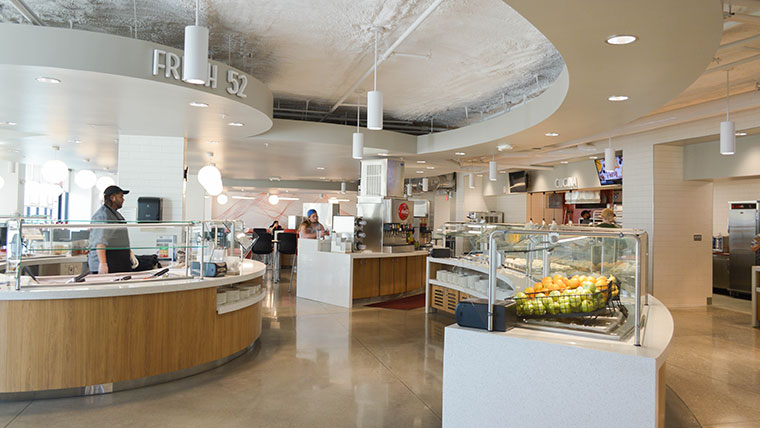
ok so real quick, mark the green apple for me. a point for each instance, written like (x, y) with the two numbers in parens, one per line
(529, 308)
(540, 309)
(521, 295)
(564, 307)
(587, 306)
(555, 295)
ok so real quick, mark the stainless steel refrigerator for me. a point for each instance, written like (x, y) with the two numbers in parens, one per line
(743, 226)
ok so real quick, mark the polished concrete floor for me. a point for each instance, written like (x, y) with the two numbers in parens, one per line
(322, 366)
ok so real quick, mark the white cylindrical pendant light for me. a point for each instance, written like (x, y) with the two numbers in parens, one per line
(425, 184)
(609, 159)
(727, 137)
(343, 187)
(374, 110)
(195, 61)
(409, 189)
(492, 170)
(2, 182)
(471, 182)
(358, 146)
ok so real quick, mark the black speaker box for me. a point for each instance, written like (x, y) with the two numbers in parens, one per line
(473, 313)
(148, 209)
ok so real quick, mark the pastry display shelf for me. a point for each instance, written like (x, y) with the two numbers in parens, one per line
(240, 304)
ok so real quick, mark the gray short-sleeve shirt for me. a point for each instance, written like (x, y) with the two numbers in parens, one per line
(111, 238)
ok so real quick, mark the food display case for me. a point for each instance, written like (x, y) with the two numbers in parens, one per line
(577, 280)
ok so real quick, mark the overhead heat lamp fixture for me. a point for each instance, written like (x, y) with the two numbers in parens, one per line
(358, 144)
(492, 170)
(195, 62)
(375, 99)
(727, 130)
(343, 188)
(425, 184)
(609, 157)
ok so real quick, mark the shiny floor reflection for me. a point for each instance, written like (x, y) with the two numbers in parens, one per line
(319, 365)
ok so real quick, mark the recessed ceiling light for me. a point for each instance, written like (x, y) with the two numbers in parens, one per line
(618, 97)
(321, 168)
(503, 147)
(213, 142)
(480, 175)
(621, 39)
(459, 153)
(593, 157)
(235, 124)
(420, 172)
(198, 104)
(323, 178)
(741, 134)
(383, 154)
(421, 161)
(48, 80)
(275, 178)
(8, 123)
(565, 162)
(552, 134)
(250, 198)
(75, 141)
(430, 167)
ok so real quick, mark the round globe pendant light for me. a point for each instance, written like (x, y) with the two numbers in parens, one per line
(85, 179)
(727, 131)
(375, 100)
(103, 182)
(54, 171)
(222, 199)
(209, 175)
(195, 61)
(274, 199)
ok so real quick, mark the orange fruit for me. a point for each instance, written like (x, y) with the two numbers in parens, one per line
(574, 283)
(529, 291)
(547, 280)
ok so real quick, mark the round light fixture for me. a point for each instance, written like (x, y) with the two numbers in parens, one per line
(274, 199)
(429, 167)
(321, 168)
(459, 153)
(564, 162)
(103, 182)
(222, 199)
(621, 39)
(198, 104)
(618, 98)
(420, 172)
(208, 175)
(85, 179)
(215, 188)
(54, 171)
(53, 190)
(552, 134)
(43, 79)
(421, 161)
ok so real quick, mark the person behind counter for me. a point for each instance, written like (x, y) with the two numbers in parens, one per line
(585, 217)
(608, 219)
(274, 226)
(111, 246)
(311, 227)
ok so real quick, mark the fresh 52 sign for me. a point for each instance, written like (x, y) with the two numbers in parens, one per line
(170, 64)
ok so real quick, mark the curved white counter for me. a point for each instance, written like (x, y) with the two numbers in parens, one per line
(249, 270)
(535, 378)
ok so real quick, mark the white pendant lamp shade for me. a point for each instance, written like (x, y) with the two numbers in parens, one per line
(103, 182)
(358, 147)
(409, 189)
(195, 62)
(425, 184)
(727, 137)
(211, 179)
(85, 179)
(54, 171)
(374, 110)
(222, 199)
(53, 190)
(492, 170)
(274, 199)
(471, 181)
(2, 182)
(609, 159)
(214, 188)
(343, 188)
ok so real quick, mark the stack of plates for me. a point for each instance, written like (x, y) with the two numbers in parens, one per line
(221, 297)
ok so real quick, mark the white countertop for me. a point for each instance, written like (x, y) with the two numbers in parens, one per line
(249, 269)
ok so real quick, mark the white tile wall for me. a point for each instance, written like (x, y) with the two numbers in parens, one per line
(151, 167)
(514, 206)
(725, 191)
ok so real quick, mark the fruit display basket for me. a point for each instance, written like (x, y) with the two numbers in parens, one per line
(593, 297)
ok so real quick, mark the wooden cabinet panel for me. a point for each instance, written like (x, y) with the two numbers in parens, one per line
(387, 276)
(415, 273)
(536, 207)
(366, 278)
(399, 274)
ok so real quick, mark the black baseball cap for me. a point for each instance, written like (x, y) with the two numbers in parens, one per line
(112, 190)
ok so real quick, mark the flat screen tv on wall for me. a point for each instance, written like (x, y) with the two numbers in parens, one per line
(518, 182)
(613, 177)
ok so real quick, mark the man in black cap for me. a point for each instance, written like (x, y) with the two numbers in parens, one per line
(109, 248)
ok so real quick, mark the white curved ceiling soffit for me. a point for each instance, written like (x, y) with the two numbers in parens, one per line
(468, 57)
